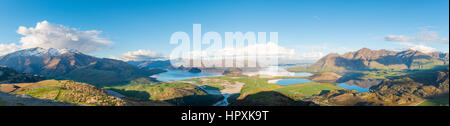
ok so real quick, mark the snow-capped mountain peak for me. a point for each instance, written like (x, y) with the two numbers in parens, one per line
(38, 51)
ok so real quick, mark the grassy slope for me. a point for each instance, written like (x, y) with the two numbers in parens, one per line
(2, 104)
(69, 91)
(178, 93)
(443, 101)
(382, 74)
(308, 89)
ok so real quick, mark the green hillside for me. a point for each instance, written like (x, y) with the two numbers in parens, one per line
(69, 91)
(178, 93)
(443, 101)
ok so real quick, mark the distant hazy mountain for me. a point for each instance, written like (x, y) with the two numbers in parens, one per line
(8, 75)
(73, 65)
(152, 64)
(365, 59)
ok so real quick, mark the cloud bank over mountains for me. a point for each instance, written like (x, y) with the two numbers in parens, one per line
(138, 55)
(425, 36)
(8, 48)
(268, 50)
(48, 35)
(421, 48)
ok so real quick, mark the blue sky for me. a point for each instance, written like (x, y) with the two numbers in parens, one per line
(303, 25)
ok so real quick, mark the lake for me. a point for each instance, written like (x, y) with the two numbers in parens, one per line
(177, 75)
(360, 85)
(354, 87)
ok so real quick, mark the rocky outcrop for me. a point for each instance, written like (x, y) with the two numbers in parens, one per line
(339, 97)
(233, 72)
(443, 81)
(195, 70)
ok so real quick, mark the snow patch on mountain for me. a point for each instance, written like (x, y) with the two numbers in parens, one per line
(38, 51)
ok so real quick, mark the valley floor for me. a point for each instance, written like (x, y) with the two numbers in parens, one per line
(237, 90)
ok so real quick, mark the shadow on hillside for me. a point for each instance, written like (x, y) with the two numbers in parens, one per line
(191, 100)
(349, 76)
(133, 93)
(389, 60)
(195, 100)
(350, 64)
(444, 95)
(207, 87)
(394, 60)
(432, 76)
(358, 64)
(268, 98)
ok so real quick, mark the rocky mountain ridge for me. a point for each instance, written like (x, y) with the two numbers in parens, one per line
(366, 59)
(73, 65)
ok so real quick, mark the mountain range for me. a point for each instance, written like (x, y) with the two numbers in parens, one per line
(366, 59)
(152, 64)
(74, 65)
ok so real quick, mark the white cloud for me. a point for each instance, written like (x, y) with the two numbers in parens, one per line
(138, 55)
(48, 35)
(399, 38)
(424, 36)
(421, 48)
(248, 53)
(313, 55)
(315, 52)
(8, 48)
(268, 50)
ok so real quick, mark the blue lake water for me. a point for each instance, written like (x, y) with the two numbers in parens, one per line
(177, 75)
(353, 87)
(292, 81)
